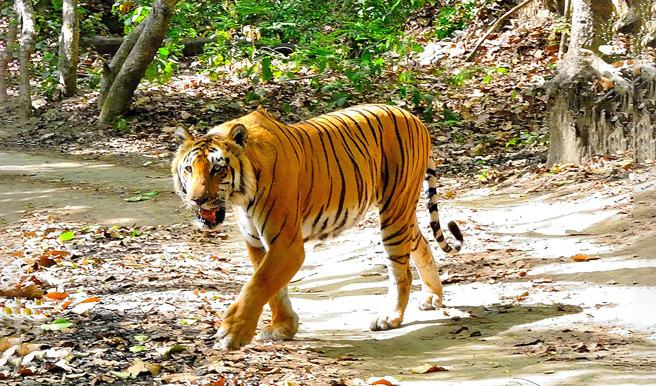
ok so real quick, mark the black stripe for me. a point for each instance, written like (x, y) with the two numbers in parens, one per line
(273, 240)
(398, 242)
(400, 259)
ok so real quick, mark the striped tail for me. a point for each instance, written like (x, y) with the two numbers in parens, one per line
(431, 198)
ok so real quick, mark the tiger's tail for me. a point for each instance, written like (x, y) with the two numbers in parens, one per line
(431, 198)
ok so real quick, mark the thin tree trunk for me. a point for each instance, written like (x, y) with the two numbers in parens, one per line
(588, 19)
(6, 57)
(25, 12)
(563, 34)
(117, 101)
(644, 114)
(68, 48)
(111, 70)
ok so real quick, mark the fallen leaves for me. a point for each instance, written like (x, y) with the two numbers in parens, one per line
(31, 291)
(57, 324)
(57, 295)
(142, 196)
(427, 368)
(582, 257)
(386, 380)
(66, 236)
(177, 348)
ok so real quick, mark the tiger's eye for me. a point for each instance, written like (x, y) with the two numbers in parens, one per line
(188, 169)
(216, 169)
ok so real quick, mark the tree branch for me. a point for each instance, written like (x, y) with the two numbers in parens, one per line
(495, 26)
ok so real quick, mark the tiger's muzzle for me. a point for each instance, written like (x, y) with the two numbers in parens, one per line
(209, 219)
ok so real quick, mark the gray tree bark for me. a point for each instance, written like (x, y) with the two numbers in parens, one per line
(68, 48)
(6, 57)
(644, 114)
(111, 70)
(25, 13)
(590, 102)
(116, 101)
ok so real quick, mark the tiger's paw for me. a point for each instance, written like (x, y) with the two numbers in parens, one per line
(431, 302)
(279, 331)
(386, 322)
(235, 332)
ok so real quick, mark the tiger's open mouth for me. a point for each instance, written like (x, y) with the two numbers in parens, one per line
(211, 218)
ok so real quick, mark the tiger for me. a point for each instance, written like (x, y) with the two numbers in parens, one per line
(289, 184)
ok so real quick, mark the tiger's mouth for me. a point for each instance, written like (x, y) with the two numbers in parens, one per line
(210, 218)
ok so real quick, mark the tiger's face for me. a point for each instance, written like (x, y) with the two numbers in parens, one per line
(210, 171)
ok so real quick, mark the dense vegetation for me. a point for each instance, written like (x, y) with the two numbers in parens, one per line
(346, 48)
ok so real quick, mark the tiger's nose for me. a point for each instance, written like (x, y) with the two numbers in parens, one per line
(200, 200)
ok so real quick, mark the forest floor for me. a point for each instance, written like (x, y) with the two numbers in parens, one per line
(554, 286)
(105, 280)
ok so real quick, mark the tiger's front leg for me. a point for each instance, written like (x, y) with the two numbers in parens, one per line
(272, 275)
(284, 321)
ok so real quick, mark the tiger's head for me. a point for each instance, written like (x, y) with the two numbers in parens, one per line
(212, 170)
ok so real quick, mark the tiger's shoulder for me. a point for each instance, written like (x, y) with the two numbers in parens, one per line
(257, 122)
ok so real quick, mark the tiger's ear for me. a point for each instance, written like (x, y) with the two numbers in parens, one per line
(181, 134)
(239, 134)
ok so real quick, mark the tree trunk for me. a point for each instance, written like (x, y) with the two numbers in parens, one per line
(6, 57)
(25, 12)
(590, 102)
(644, 114)
(68, 48)
(112, 69)
(117, 100)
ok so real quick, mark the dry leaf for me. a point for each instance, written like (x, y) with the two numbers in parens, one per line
(581, 257)
(58, 254)
(90, 300)
(57, 295)
(426, 368)
(7, 342)
(604, 84)
(46, 261)
(29, 292)
(386, 380)
(82, 308)
(154, 368)
(137, 368)
(27, 348)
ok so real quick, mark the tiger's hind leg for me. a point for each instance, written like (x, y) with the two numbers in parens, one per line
(431, 286)
(397, 237)
(284, 321)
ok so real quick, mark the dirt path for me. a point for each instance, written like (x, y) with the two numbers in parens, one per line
(520, 310)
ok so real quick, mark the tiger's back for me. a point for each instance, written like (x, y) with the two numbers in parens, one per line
(345, 163)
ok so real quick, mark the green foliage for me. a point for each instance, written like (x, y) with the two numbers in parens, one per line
(163, 66)
(490, 71)
(353, 50)
(122, 125)
(454, 18)
(66, 236)
(528, 139)
(460, 78)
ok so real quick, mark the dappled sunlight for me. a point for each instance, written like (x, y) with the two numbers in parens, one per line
(542, 215)
(600, 265)
(52, 166)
